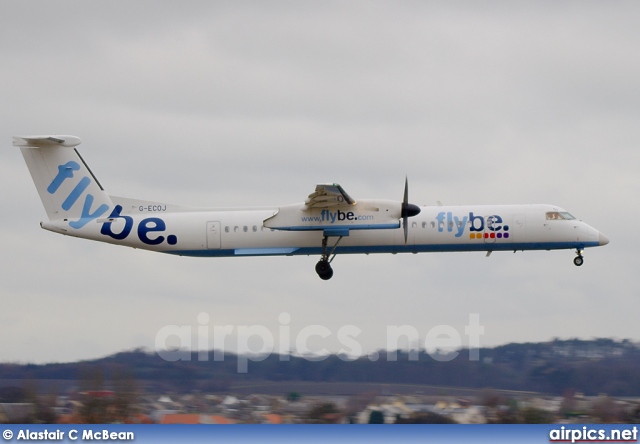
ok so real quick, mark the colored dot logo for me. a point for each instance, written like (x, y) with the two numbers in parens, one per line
(489, 235)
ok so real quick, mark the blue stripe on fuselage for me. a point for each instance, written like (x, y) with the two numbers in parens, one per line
(338, 226)
(427, 248)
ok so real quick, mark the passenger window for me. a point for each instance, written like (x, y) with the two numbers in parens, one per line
(245, 229)
(424, 225)
(226, 229)
(255, 228)
(235, 229)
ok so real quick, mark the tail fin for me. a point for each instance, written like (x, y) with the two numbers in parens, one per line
(62, 178)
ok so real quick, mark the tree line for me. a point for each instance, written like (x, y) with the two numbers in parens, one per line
(591, 367)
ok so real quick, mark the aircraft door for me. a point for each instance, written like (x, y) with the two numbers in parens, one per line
(213, 235)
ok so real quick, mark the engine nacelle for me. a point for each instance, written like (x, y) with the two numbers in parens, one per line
(363, 215)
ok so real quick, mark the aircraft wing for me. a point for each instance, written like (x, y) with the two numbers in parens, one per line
(328, 196)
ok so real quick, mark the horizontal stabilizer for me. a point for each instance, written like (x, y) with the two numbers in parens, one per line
(44, 141)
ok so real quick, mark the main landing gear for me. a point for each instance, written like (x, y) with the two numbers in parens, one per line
(323, 267)
(578, 260)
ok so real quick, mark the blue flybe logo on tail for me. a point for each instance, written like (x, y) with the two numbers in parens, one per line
(66, 172)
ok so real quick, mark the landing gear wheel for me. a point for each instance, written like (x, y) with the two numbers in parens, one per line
(324, 270)
(578, 260)
(323, 267)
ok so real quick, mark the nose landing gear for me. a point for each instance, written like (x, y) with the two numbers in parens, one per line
(578, 260)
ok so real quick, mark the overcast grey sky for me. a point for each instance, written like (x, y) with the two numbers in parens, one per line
(253, 103)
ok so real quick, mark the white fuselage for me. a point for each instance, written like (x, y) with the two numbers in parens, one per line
(241, 232)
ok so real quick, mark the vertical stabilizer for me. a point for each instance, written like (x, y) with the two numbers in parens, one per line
(68, 189)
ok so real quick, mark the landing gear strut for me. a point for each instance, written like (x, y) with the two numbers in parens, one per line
(578, 260)
(323, 267)
(321, 198)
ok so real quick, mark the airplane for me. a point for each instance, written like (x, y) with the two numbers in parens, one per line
(327, 223)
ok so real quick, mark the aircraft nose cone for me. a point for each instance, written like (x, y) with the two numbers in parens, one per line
(602, 239)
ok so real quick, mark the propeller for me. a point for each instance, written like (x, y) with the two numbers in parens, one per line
(408, 210)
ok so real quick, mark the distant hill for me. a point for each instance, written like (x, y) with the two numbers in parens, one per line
(592, 367)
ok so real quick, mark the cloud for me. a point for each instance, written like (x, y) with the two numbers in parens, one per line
(224, 104)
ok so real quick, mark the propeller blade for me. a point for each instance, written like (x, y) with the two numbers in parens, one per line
(406, 229)
(405, 202)
(408, 210)
(406, 191)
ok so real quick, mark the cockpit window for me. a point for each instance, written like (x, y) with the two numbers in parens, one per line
(557, 215)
